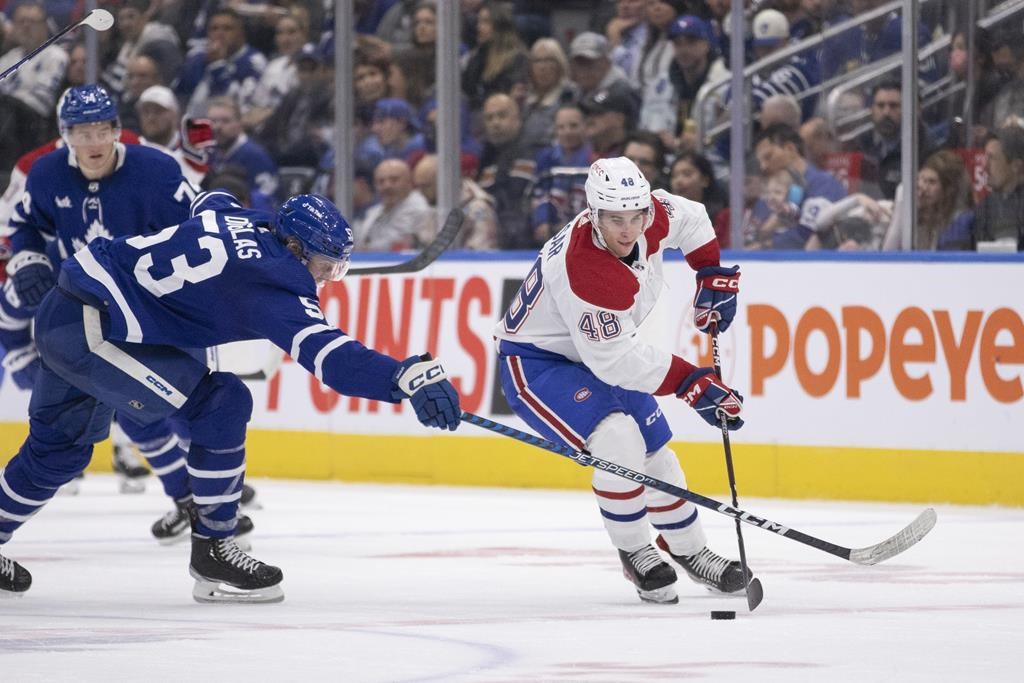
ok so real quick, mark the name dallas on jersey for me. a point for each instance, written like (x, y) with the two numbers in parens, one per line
(244, 248)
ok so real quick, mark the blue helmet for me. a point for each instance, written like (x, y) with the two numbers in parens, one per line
(321, 229)
(86, 104)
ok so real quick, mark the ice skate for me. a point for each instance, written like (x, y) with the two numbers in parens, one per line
(650, 573)
(129, 469)
(175, 526)
(224, 573)
(14, 579)
(716, 573)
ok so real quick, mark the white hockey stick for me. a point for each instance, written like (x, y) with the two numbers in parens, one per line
(872, 554)
(98, 19)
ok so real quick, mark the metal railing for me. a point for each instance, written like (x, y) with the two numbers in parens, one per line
(702, 107)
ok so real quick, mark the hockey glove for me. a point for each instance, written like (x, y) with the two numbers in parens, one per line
(197, 140)
(712, 400)
(715, 300)
(22, 364)
(32, 276)
(424, 382)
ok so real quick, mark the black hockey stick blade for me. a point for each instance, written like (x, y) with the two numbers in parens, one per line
(870, 555)
(755, 594)
(449, 231)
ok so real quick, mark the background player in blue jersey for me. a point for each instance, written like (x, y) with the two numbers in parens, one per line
(96, 187)
(115, 335)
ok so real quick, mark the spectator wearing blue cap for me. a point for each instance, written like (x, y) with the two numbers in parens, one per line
(395, 133)
(695, 66)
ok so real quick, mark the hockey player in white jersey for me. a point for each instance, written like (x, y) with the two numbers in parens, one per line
(574, 369)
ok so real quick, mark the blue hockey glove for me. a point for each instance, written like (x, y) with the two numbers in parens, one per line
(22, 364)
(706, 394)
(715, 300)
(32, 276)
(424, 382)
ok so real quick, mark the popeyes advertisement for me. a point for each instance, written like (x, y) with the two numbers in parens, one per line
(889, 354)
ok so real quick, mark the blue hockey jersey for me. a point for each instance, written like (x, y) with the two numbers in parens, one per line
(145, 192)
(219, 277)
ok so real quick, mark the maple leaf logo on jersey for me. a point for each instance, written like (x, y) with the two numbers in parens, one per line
(63, 202)
(95, 230)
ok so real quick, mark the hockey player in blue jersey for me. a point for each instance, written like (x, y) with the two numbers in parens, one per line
(115, 335)
(96, 187)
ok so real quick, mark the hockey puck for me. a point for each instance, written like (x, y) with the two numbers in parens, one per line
(723, 615)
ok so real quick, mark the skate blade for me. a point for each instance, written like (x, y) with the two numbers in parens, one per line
(207, 591)
(70, 489)
(12, 595)
(659, 596)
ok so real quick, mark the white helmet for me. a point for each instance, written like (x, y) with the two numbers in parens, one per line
(617, 185)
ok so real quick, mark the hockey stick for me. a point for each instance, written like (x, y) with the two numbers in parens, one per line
(449, 231)
(754, 590)
(99, 19)
(872, 554)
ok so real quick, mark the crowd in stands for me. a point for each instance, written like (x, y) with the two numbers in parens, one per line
(540, 103)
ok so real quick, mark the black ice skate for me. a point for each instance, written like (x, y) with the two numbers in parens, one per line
(176, 525)
(650, 573)
(716, 573)
(224, 573)
(14, 579)
(130, 470)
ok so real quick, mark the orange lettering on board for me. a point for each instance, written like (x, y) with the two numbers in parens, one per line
(436, 290)
(857, 319)
(362, 316)
(957, 354)
(992, 354)
(475, 289)
(761, 317)
(386, 338)
(816, 319)
(274, 386)
(901, 352)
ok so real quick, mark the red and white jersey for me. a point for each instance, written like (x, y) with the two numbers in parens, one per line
(582, 302)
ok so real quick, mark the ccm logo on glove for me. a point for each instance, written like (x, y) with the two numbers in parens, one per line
(417, 376)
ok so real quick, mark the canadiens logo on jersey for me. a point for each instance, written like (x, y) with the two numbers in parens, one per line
(92, 217)
(582, 395)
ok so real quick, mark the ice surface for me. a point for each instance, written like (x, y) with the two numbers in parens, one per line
(395, 583)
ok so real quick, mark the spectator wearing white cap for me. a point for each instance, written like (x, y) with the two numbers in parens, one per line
(794, 76)
(590, 66)
(160, 126)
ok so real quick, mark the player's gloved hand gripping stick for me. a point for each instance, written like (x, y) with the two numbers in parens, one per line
(424, 382)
